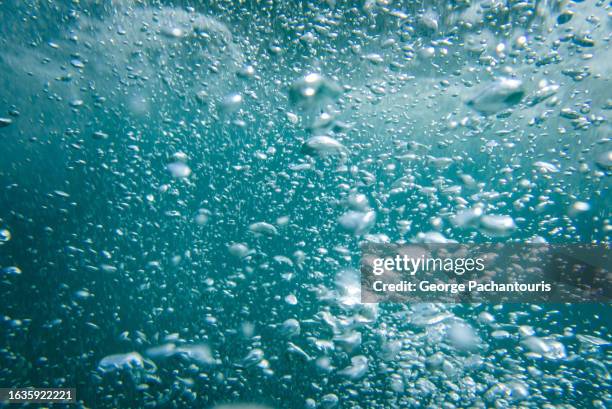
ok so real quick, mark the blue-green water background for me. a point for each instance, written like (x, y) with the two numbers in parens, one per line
(51, 338)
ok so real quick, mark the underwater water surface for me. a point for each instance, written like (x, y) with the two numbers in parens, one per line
(184, 188)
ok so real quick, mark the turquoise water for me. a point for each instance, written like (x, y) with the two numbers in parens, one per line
(184, 187)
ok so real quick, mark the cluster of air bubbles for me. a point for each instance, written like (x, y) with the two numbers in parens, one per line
(186, 192)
